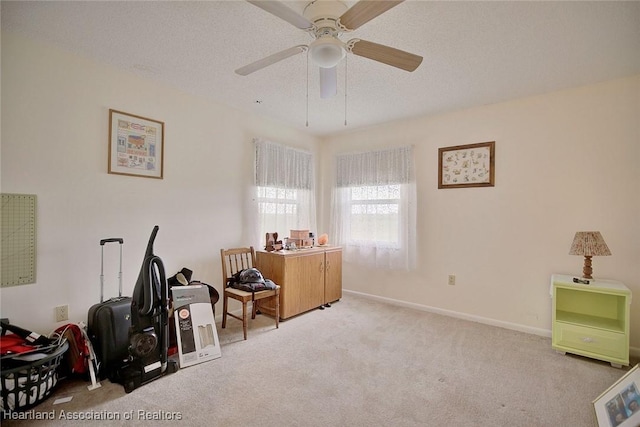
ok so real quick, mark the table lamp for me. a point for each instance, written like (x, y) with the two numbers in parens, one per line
(588, 244)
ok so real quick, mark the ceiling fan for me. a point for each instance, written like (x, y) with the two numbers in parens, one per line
(325, 21)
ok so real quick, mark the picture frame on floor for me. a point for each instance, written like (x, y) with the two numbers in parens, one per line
(471, 165)
(136, 145)
(619, 405)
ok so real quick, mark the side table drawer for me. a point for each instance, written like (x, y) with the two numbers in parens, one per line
(612, 344)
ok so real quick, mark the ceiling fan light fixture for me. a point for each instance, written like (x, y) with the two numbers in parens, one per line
(326, 52)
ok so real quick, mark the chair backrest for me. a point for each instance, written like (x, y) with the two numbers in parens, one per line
(234, 260)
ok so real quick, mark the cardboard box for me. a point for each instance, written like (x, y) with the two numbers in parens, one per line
(196, 331)
(299, 234)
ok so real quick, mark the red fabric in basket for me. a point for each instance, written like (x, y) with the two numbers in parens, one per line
(13, 344)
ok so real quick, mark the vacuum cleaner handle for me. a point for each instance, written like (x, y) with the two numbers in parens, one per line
(151, 240)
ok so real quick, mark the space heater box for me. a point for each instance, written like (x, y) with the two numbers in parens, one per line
(196, 333)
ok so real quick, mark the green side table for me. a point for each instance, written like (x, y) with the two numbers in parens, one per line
(592, 319)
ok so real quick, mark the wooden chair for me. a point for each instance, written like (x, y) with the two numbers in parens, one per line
(234, 260)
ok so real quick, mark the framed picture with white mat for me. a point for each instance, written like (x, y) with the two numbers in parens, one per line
(619, 405)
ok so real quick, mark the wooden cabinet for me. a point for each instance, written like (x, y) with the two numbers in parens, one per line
(333, 275)
(308, 278)
(592, 319)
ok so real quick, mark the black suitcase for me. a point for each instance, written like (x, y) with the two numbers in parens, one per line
(108, 324)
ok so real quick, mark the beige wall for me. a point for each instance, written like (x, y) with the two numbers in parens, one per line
(55, 119)
(565, 161)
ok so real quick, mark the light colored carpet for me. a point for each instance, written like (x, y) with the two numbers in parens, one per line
(360, 363)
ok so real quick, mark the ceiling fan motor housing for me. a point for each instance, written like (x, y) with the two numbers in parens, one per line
(324, 13)
(327, 50)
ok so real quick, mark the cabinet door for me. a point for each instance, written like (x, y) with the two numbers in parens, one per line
(305, 280)
(333, 276)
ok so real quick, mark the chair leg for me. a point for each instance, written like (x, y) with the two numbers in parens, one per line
(245, 321)
(224, 311)
(277, 309)
(254, 309)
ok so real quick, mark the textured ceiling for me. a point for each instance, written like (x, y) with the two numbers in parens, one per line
(474, 53)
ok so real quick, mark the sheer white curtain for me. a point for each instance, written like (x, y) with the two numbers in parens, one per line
(284, 190)
(374, 208)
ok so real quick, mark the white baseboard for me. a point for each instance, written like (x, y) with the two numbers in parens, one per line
(633, 351)
(457, 314)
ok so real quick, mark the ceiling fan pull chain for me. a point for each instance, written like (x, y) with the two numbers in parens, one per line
(307, 124)
(345, 89)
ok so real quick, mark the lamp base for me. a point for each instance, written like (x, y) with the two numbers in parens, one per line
(587, 270)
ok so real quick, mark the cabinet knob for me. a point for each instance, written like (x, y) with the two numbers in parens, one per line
(328, 265)
(587, 339)
(321, 266)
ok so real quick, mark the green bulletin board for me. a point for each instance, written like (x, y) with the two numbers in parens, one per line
(18, 239)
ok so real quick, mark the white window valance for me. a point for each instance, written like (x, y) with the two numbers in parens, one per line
(375, 168)
(281, 166)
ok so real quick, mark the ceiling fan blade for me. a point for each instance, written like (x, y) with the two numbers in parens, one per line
(385, 54)
(328, 82)
(271, 59)
(278, 9)
(364, 11)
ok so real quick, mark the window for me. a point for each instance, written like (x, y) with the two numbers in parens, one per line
(374, 208)
(277, 207)
(375, 214)
(284, 190)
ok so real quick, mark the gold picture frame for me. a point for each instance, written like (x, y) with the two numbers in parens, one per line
(619, 405)
(136, 145)
(471, 165)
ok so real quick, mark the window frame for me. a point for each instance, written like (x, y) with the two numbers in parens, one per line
(279, 201)
(386, 247)
(283, 190)
(395, 201)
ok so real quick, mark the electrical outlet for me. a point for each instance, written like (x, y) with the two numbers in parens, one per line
(452, 279)
(62, 313)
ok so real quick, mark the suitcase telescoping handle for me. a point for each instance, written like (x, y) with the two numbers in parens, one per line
(112, 239)
(102, 243)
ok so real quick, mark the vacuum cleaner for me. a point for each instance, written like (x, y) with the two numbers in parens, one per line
(149, 332)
